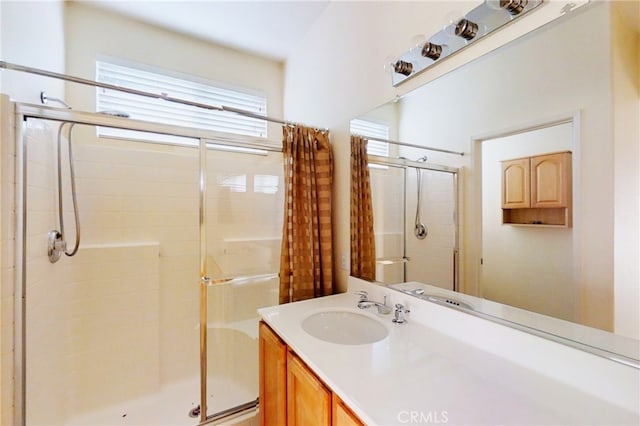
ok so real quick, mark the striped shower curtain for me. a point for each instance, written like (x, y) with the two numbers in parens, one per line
(306, 269)
(363, 252)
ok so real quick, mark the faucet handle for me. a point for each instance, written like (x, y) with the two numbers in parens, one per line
(400, 307)
(363, 295)
(398, 315)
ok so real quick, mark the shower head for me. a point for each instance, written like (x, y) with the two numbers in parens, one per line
(115, 113)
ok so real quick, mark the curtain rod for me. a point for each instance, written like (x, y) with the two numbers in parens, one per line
(403, 163)
(446, 151)
(163, 96)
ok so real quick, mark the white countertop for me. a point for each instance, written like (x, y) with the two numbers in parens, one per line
(420, 375)
(589, 336)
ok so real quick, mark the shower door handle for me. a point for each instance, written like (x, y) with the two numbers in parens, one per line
(207, 280)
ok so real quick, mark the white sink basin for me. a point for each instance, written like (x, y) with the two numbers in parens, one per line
(344, 327)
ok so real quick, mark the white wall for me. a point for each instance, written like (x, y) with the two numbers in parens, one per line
(526, 267)
(32, 34)
(92, 32)
(336, 73)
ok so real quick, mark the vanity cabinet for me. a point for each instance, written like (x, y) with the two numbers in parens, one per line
(308, 399)
(273, 377)
(537, 190)
(341, 414)
(290, 393)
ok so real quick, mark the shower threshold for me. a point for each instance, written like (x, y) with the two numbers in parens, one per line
(170, 406)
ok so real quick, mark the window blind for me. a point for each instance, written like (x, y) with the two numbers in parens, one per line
(158, 110)
(373, 130)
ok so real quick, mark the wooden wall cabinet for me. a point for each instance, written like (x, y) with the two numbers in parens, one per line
(516, 184)
(537, 190)
(291, 394)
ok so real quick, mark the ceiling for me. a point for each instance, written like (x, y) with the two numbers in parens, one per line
(266, 28)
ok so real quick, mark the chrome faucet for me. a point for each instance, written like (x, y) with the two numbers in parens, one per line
(365, 303)
(398, 315)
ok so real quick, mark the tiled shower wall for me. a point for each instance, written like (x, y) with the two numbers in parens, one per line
(94, 320)
(120, 319)
(7, 237)
(431, 259)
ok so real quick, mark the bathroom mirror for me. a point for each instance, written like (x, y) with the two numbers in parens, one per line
(559, 88)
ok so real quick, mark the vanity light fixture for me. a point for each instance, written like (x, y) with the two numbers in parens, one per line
(459, 33)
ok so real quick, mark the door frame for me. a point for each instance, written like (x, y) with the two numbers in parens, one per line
(475, 238)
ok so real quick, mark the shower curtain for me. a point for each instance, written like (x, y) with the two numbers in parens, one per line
(363, 252)
(306, 269)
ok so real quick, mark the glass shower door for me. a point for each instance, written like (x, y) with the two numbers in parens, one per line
(244, 216)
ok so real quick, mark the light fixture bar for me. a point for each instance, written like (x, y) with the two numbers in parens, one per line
(488, 17)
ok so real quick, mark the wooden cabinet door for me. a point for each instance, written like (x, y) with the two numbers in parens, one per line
(308, 399)
(273, 378)
(551, 175)
(516, 184)
(341, 415)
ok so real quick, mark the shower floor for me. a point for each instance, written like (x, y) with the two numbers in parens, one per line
(171, 406)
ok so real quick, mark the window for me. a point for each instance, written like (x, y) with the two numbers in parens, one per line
(158, 110)
(374, 130)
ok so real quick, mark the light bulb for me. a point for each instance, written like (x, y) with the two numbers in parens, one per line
(389, 61)
(494, 4)
(451, 20)
(417, 41)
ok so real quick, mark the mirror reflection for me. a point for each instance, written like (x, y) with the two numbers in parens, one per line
(554, 91)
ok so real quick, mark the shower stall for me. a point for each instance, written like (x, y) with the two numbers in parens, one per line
(153, 320)
(415, 210)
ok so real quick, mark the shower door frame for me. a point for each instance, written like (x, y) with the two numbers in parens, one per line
(405, 164)
(25, 111)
